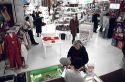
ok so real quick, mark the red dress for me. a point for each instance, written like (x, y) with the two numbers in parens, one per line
(13, 49)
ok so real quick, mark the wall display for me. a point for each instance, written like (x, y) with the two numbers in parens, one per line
(63, 27)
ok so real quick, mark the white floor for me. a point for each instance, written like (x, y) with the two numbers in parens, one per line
(105, 57)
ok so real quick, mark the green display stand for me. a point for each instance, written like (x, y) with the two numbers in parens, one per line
(45, 74)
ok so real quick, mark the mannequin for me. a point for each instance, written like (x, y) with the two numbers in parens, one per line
(13, 50)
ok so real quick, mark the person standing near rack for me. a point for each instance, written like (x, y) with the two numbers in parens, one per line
(27, 27)
(95, 21)
(74, 24)
(38, 24)
(106, 25)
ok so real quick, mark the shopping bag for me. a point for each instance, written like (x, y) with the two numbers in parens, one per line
(114, 42)
(120, 44)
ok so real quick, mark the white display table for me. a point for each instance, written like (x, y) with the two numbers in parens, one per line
(53, 39)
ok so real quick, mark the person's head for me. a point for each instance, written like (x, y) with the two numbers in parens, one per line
(77, 44)
(74, 16)
(27, 18)
(33, 12)
(65, 61)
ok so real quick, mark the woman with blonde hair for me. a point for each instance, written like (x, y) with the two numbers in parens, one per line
(78, 52)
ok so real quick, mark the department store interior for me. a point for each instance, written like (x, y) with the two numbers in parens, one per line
(36, 34)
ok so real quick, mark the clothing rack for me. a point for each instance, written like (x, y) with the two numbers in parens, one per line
(15, 29)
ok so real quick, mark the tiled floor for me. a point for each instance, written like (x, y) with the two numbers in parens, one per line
(105, 57)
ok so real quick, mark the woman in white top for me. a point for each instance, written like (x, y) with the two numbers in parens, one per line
(29, 30)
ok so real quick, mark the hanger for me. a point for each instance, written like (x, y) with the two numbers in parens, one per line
(10, 31)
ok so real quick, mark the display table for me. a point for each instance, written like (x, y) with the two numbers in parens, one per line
(50, 40)
(56, 72)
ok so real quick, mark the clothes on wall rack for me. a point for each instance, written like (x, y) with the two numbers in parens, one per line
(24, 37)
(2, 47)
(118, 39)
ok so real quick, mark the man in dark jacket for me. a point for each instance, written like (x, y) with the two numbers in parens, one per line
(95, 21)
(38, 24)
(78, 52)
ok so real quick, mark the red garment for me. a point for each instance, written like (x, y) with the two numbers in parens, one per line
(73, 26)
(122, 7)
(49, 3)
(13, 48)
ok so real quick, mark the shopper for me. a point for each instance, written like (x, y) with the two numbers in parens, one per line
(105, 25)
(95, 21)
(72, 74)
(78, 51)
(31, 21)
(38, 24)
(27, 27)
(74, 24)
(112, 25)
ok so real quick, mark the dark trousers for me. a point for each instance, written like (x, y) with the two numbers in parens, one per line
(95, 27)
(31, 36)
(123, 50)
(73, 37)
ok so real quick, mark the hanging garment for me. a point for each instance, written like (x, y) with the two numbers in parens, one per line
(1, 48)
(13, 49)
(24, 51)
(24, 38)
(27, 40)
(5, 14)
